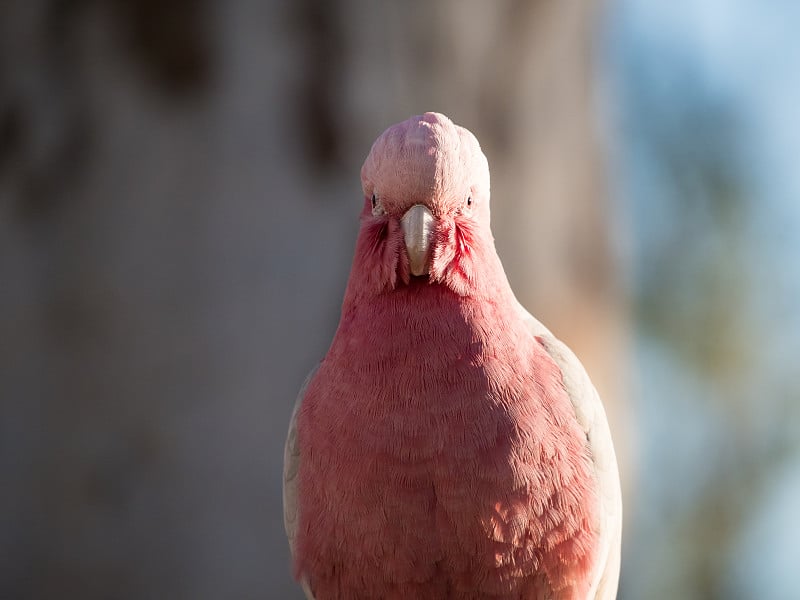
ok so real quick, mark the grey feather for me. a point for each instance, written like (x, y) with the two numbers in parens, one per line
(291, 465)
(591, 416)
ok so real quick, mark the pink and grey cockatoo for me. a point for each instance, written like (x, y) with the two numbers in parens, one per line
(448, 445)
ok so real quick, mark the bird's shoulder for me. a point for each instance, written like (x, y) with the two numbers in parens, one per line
(590, 415)
(291, 466)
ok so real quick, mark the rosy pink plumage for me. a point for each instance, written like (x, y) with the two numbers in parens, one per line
(448, 446)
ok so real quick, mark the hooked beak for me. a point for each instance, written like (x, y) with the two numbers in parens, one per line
(417, 226)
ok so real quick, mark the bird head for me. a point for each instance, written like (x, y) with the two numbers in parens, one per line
(425, 218)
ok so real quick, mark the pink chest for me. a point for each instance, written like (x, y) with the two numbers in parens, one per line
(442, 473)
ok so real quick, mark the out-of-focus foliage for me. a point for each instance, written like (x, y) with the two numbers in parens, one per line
(700, 107)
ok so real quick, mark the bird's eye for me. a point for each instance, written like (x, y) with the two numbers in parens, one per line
(377, 207)
(469, 200)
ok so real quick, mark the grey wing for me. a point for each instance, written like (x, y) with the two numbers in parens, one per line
(291, 466)
(592, 417)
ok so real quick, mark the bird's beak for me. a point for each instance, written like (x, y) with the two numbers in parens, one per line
(417, 225)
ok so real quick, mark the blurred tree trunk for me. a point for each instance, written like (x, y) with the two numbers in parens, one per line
(178, 198)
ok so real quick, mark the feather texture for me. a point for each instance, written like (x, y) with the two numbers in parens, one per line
(448, 446)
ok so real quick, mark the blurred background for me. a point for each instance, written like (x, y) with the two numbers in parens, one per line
(179, 190)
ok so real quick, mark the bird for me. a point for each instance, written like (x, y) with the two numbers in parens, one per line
(448, 445)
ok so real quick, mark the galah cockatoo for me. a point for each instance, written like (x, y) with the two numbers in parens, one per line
(448, 445)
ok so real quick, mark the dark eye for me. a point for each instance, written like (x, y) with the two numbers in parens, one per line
(374, 200)
(469, 201)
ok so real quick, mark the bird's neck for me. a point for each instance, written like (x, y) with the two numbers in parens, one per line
(427, 325)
